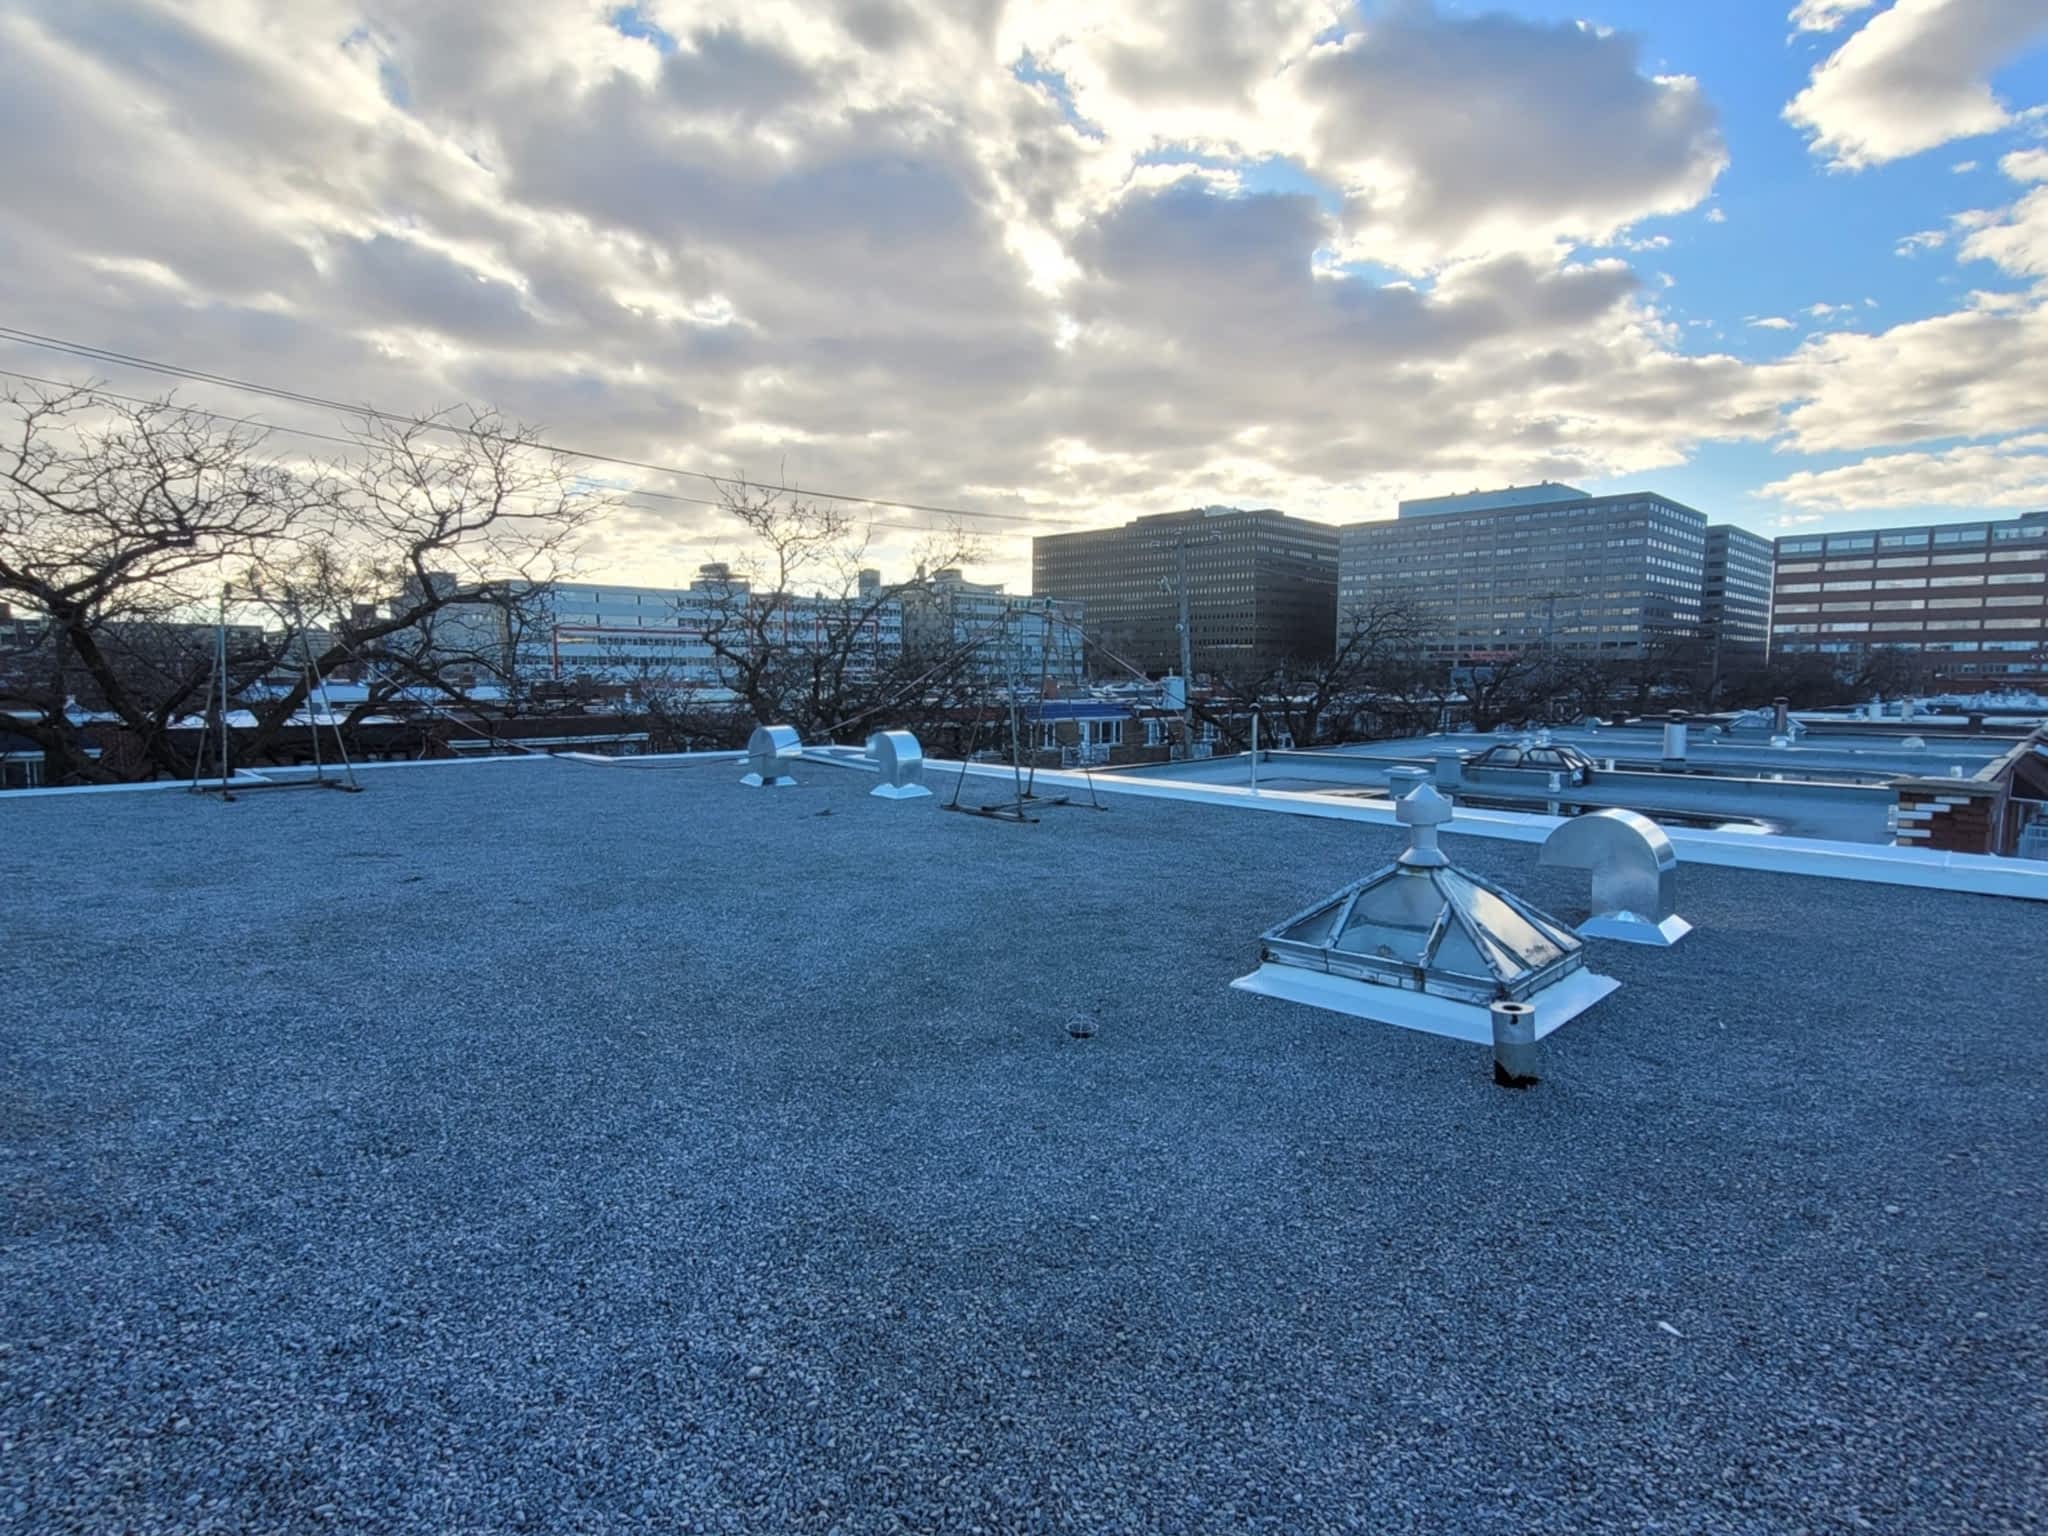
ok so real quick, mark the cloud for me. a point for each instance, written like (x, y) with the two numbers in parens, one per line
(1716, 216)
(2015, 237)
(1921, 240)
(1770, 323)
(848, 244)
(1445, 136)
(1975, 372)
(1913, 77)
(2012, 474)
(1826, 15)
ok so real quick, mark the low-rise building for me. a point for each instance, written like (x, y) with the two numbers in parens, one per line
(1006, 637)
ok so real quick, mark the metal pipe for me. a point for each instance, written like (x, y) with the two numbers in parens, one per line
(1514, 1043)
(1255, 749)
(1674, 742)
(1781, 717)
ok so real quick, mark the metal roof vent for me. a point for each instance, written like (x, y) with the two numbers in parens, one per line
(1635, 875)
(770, 751)
(1426, 945)
(901, 760)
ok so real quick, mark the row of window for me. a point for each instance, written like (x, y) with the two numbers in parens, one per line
(1915, 538)
(1862, 627)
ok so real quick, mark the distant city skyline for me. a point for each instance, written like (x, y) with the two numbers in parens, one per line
(1068, 264)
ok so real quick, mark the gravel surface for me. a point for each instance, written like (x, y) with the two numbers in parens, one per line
(544, 1147)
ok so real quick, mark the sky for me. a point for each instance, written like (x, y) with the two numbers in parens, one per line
(1059, 263)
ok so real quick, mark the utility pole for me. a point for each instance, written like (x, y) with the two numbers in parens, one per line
(1186, 626)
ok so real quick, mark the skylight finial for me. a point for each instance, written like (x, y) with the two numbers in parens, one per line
(1422, 810)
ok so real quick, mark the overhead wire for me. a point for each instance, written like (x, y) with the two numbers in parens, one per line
(93, 353)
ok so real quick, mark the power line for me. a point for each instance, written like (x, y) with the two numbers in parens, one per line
(271, 426)
(349, 442)
(178, 371)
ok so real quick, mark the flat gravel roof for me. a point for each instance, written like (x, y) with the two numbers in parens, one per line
(549, 1147)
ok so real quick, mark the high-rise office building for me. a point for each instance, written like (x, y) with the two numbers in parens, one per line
(1261, 587)
(1969, 600)
(1735, 602)
(1501, 571)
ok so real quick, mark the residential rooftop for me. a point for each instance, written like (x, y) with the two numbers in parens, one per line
(543, 1145)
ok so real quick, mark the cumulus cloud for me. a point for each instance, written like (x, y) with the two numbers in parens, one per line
(1446, 135)
(2008, 474)
(1826, 15)
(1769, 323)
(1975, 372)
(2016, 237)
(857, 246)
(1914, 76)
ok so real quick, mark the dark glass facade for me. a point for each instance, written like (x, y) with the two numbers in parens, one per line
(1735, 603)
(1262, 587)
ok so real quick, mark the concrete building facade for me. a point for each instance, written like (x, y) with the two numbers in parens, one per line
(1008, 636)
(619, 633)
(1969, 600)
(1261, 587)
(1609, 576)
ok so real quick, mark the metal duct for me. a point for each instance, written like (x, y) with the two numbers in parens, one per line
(770, 752)
(1635, 876)
(901, 760)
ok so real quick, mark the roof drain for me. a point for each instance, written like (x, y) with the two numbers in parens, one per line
(901, 760)
(770, 751)
(1424, 945)
(1635, 875)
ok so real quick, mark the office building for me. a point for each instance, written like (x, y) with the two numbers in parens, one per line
(1004, 636)
(1735, 601)
(1968, 600)
(1261, 587)
(1498, 572)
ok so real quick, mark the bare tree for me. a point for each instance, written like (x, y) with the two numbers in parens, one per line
(1333, 698)
(127, 529)
(801, 636)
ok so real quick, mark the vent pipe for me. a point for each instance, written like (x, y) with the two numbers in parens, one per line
(1781, 717)
(1674, 742)
(1514, 1043)
(1401, 782)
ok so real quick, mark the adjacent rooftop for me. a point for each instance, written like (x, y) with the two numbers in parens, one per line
(551, 1146)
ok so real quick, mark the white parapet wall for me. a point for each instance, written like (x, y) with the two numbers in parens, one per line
(1879, 863)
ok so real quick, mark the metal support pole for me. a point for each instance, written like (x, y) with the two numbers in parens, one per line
(1255, 749)
(220, 662)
